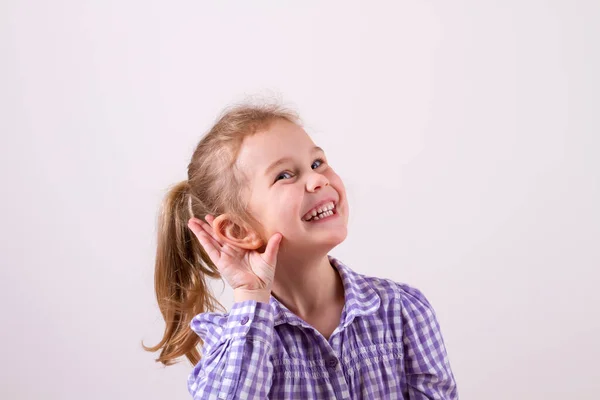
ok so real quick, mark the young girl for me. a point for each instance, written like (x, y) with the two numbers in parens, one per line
(262, 209)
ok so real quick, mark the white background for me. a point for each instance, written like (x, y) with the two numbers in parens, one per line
(467, 133)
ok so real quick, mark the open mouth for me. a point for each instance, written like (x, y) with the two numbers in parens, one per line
(321, 212)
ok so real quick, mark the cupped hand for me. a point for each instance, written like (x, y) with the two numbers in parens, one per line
(241, 268)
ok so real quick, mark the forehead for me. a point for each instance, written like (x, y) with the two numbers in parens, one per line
(281, 139)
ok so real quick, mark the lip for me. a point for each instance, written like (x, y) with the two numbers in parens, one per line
(321, 203)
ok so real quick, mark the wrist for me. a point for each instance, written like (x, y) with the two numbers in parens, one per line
(240, 295)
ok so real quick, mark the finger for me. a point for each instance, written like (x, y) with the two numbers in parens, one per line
(194, 225)
(199, 230)
(209, 248)
(207, 244)
(209, 219)
(270, 254)
(210, 231)
(197, 225)
(203, 221)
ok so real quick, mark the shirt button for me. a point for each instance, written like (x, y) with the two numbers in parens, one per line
(332, 363)
(244, 320)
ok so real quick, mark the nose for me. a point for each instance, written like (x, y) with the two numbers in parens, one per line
(316, 181)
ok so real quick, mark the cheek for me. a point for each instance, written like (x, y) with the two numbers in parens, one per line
(334, 177)
(338, 185)
(281, 207)
(288, 203)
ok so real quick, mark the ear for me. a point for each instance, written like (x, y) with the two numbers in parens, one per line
(230, 230)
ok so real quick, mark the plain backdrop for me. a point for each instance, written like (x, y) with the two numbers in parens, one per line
(467, 134)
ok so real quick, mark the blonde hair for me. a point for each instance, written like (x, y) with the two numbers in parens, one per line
(214, 186)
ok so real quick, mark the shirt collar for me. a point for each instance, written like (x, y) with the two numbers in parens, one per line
(360, 298)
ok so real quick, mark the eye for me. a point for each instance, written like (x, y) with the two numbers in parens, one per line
(282, 175)
(318, 160)
(286, 175)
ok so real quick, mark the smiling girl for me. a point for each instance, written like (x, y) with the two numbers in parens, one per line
(262, 208)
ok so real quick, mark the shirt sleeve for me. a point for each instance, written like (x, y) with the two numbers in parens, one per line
(427, 367)
(234, 360)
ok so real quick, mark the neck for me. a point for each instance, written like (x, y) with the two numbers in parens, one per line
(306, 285)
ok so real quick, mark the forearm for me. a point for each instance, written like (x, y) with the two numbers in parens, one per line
(236, 363)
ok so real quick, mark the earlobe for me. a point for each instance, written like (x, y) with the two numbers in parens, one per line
(228, 231)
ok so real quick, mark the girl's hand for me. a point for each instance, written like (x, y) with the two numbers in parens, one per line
(243, 269)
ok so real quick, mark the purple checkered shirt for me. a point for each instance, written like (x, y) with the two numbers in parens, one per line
(388, 345)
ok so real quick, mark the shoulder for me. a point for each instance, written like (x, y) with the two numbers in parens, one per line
(399, 294)
(391, 288)
(388, 290)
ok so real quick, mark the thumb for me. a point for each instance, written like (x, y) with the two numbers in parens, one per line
(270, 254)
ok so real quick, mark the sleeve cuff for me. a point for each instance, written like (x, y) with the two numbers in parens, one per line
(249, 318)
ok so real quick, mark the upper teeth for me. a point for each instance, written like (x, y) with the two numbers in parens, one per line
(325, 208)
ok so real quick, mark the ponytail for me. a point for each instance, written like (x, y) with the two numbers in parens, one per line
(181, 269)
(213, 187)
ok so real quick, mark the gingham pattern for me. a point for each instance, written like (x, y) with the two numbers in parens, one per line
(388, 346)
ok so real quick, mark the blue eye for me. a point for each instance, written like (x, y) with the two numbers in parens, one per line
(282, 175)
(286, 175)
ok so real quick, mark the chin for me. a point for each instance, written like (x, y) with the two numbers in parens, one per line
(337, 238)
(322, 243)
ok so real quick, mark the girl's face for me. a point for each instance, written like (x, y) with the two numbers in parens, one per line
(289, 178)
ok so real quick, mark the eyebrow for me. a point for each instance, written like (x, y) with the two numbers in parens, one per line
(287, 159)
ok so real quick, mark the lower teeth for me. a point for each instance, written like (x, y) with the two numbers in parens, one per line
(321, 216)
